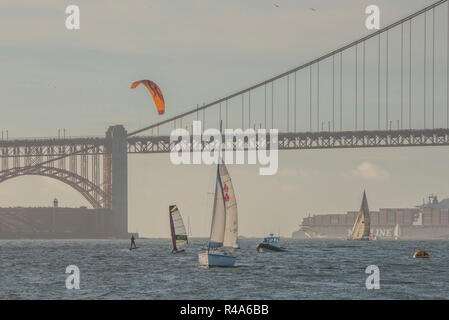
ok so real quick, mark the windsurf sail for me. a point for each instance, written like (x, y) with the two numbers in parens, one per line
(178, 231)
(361, 228)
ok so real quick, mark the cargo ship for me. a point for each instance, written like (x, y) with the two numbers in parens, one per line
(426, 221)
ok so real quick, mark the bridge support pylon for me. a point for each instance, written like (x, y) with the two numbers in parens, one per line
(115, 175)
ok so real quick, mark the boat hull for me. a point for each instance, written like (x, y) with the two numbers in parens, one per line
(210, 259)
(421, 254)
(264, 246)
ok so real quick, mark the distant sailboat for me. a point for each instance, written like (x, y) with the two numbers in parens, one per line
(361, 228)
(397, 232)
(224, 226)
(178, 231)
(189, 228)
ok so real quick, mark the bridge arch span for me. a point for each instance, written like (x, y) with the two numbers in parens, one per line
(91, 192)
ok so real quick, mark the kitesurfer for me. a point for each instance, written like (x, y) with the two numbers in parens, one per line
(133, 243)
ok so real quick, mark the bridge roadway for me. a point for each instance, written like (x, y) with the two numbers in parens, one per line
(53, 147)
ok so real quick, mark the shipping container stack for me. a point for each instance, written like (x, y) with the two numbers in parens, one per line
(383, 217)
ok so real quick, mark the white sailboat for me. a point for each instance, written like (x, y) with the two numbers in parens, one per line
(361, 228)
(397, 232)
(178, 231)
(224, 228)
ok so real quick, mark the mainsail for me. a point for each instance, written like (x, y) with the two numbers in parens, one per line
(231, 228)
(178, 231)
(218, 215)
(361, 228)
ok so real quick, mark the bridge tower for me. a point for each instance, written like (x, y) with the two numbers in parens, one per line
(115, 173)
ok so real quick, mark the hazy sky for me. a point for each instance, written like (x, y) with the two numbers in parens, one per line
(197, 51)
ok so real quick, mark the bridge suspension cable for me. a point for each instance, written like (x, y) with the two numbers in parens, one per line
(317, 61)
(345, 73)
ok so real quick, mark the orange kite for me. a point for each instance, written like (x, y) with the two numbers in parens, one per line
(155, 92)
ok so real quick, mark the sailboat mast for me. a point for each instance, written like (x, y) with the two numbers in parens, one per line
(216, 189)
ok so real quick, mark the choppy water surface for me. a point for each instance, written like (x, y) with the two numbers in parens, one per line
(311, 269)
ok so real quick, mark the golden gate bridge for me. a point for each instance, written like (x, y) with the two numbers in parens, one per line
(386, 89)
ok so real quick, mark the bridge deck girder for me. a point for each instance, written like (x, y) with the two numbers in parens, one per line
(35, 150)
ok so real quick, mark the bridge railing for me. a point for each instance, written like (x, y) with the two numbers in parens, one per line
(303, 140)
